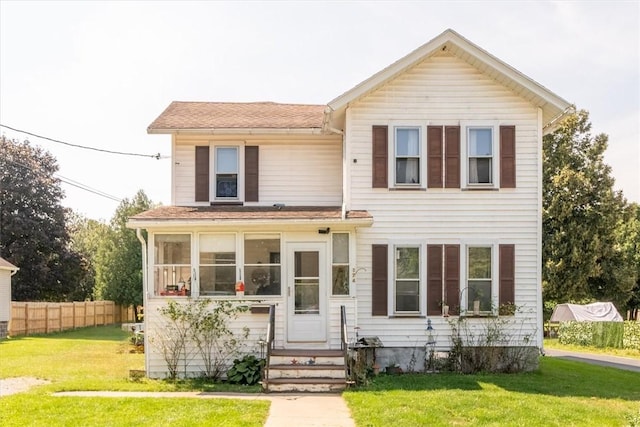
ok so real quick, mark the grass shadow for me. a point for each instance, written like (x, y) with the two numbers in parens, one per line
(555, 377)
(93, 333)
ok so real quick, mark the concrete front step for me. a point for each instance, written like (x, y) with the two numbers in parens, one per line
(298, 370)
(305, 371)
(306, 357)
(306, 385)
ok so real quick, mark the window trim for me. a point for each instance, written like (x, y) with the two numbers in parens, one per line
(393, 278)
(466, 127)
(240, 181)
(465, 310)
(422, 156)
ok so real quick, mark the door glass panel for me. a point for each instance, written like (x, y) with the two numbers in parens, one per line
(307, 283)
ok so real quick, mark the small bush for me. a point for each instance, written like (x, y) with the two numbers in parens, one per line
(601, 334)
(247, 370)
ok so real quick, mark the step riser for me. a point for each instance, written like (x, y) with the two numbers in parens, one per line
(288, 360)
(306, 388)
(301, 373)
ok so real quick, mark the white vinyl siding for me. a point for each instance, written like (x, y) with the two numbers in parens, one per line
(445, 91)
(296, 171)
(5, 295)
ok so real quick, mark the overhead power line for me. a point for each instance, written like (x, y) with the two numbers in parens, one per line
(84, 147)
(73, 183)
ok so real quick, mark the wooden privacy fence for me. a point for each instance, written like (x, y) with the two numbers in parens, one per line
(45, 317)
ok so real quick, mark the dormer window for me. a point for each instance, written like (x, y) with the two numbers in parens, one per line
(226, 172)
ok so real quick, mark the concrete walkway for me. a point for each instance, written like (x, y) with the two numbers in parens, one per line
(625, 363)
(287, 410)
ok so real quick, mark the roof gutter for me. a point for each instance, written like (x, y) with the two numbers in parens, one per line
(157, 223)
(237, 131)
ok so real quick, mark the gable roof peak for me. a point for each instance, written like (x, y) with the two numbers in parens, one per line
(451, 41)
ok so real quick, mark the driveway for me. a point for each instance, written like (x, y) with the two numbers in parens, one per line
(596, 359)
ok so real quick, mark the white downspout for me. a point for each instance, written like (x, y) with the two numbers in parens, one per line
(145, 293)
(327, 126)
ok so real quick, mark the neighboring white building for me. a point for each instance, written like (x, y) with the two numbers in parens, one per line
(6, 271)
(419, 188)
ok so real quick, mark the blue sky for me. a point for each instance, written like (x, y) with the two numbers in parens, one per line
(98, 73)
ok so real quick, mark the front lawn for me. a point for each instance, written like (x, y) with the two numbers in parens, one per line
(561, 393)
(100, 359)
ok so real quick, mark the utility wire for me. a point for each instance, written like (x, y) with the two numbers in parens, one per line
(155, 156)
(73, 183)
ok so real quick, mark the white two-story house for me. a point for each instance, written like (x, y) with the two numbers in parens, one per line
(406, 199)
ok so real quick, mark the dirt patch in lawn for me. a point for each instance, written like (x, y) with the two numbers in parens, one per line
(19, 384)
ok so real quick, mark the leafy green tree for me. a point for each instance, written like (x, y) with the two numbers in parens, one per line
(581, 251)
(119, 258)
(33, 235)
(629, 237)
(86, 238)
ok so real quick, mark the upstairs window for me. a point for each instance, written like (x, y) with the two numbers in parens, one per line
(480, 156)
(226, 165)
(407, 152)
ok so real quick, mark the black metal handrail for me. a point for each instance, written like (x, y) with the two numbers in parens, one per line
(344, 340)
(271, 326)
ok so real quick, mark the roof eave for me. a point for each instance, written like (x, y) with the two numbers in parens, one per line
(235, 131)
(190, 223)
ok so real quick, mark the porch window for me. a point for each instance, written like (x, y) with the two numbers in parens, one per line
(172, 268)
(262, 270)
(340, 264)
(407, 280)
(479, 278)
(217, 264)
(227, 172)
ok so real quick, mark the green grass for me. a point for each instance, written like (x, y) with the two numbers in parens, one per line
(100, 359)
(561, 393)
(554, 343)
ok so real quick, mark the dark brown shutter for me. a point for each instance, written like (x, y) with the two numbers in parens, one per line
(380, 156)
(507, 157)
(202, 174)
(434, 156)
(452, 156)
(379, 280)
(434, 280)
(452, 277)
(251, 167)
(507, 274)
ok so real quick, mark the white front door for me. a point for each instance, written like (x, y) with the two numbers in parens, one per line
(307, 292)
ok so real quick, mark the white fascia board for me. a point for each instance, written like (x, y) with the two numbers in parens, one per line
(239, 131)
(177, 223)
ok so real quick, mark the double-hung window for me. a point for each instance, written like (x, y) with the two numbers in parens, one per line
(407, 279)
(407, 155)
(172, 266)
(479, 278)
(226, 172)
(480, 154)
(217, 259)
